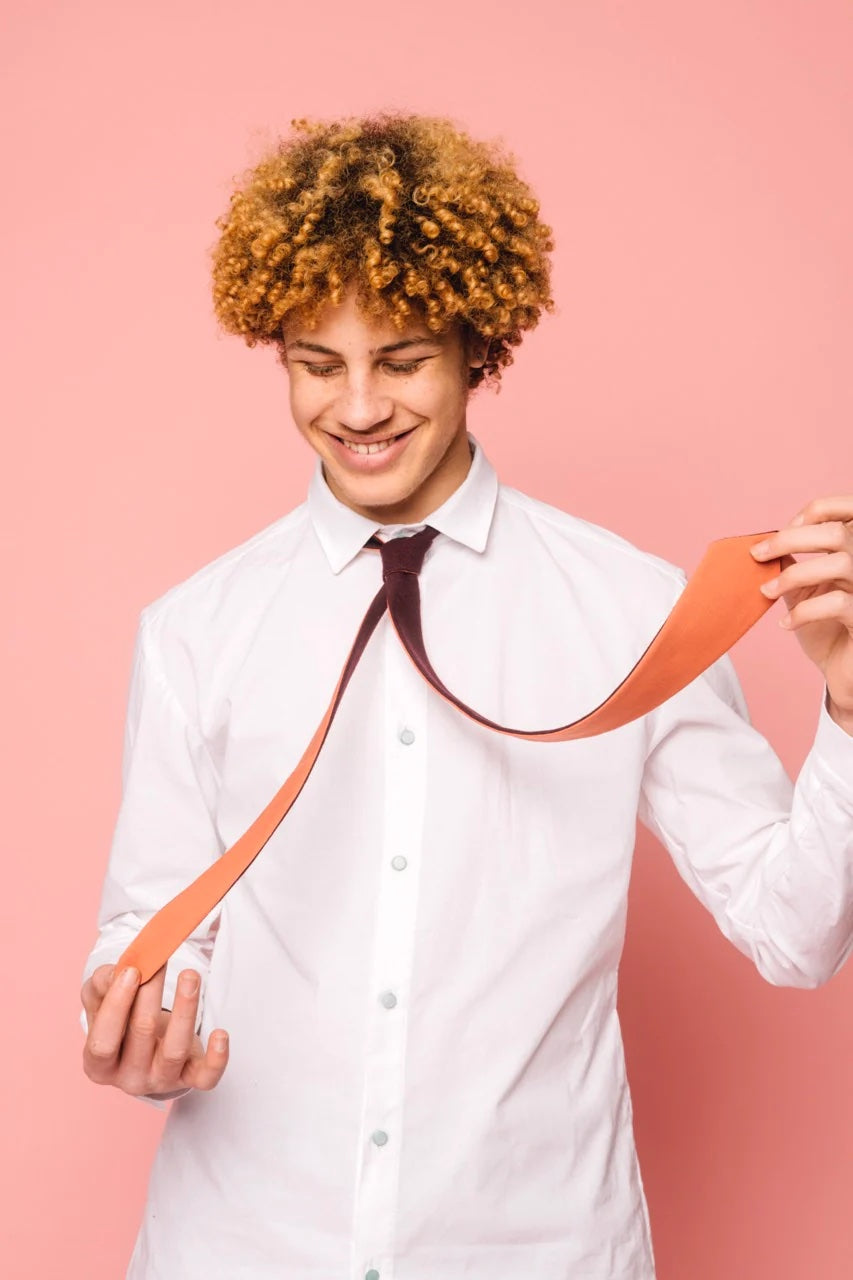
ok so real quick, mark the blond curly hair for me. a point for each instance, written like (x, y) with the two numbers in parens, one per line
(428, 223)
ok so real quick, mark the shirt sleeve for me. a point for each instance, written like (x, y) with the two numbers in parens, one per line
(771, 859)
(165, 834)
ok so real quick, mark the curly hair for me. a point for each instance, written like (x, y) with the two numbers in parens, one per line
(428, 224)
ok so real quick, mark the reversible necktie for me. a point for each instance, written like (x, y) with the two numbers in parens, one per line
(719, 604)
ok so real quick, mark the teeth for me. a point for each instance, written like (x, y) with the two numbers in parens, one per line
(367, 448)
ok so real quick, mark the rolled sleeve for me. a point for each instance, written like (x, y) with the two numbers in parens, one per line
(833, 755)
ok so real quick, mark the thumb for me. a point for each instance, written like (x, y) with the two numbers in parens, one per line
(102, 979)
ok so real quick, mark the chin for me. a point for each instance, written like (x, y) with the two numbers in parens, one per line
(394, 487)
(378, 493)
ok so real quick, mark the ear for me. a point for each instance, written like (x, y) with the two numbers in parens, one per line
(478, 350)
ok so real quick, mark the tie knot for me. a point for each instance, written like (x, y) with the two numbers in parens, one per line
(404, 554)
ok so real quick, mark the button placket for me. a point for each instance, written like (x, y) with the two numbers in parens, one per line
(382, 1110)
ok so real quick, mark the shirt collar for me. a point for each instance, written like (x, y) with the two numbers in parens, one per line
(466, 516)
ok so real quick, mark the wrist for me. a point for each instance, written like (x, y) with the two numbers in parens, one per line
(842, 718)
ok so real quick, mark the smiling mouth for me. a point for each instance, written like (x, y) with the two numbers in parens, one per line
(378, 446)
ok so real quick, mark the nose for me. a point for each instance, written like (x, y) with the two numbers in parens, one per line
(361, 405)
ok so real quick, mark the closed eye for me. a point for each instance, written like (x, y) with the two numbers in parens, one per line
(402, 366)
(406, 366)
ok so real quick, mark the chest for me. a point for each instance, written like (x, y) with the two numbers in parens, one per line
(529, 823)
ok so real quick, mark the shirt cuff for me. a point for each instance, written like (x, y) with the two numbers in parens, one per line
(833, 750)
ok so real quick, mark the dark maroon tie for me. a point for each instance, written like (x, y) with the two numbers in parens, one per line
(720, 603)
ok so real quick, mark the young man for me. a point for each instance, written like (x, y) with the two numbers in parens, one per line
(418, 974)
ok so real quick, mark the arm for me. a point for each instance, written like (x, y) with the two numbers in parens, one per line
(165, 833)
(772, 860)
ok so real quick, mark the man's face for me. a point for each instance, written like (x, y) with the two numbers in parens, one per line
(384, 408)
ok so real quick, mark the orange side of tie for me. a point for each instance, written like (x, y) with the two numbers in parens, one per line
(720, 602)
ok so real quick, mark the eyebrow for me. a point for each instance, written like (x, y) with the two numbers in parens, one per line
(392, 346)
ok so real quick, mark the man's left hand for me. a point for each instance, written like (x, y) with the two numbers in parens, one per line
(819, 592)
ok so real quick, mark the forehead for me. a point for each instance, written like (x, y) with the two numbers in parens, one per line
(345, 324)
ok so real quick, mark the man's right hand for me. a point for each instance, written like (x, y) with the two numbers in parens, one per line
(142, 1048)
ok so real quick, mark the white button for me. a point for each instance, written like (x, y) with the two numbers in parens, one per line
(379, 1137)
(399, 863)
(407, 737)
(388, 999)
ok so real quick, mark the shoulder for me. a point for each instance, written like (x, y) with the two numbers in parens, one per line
(574, 542)
(228, 588)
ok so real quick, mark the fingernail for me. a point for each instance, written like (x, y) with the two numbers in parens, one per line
(220, 1042)
(786, 621)
(129, 977)
(769, 587)
(797, 519)
(760, 549)
(189, 985)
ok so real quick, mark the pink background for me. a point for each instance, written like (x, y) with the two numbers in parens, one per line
(694, 161)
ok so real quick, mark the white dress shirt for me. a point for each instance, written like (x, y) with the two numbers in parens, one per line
(419, 971)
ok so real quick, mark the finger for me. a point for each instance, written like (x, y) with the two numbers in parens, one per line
(837, 566)
(107, 1026)
(206, 1072)
(175, 1045)
(140, 1040)
(831, 605)
(835, 507)
(828, 535)
(94, 989)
